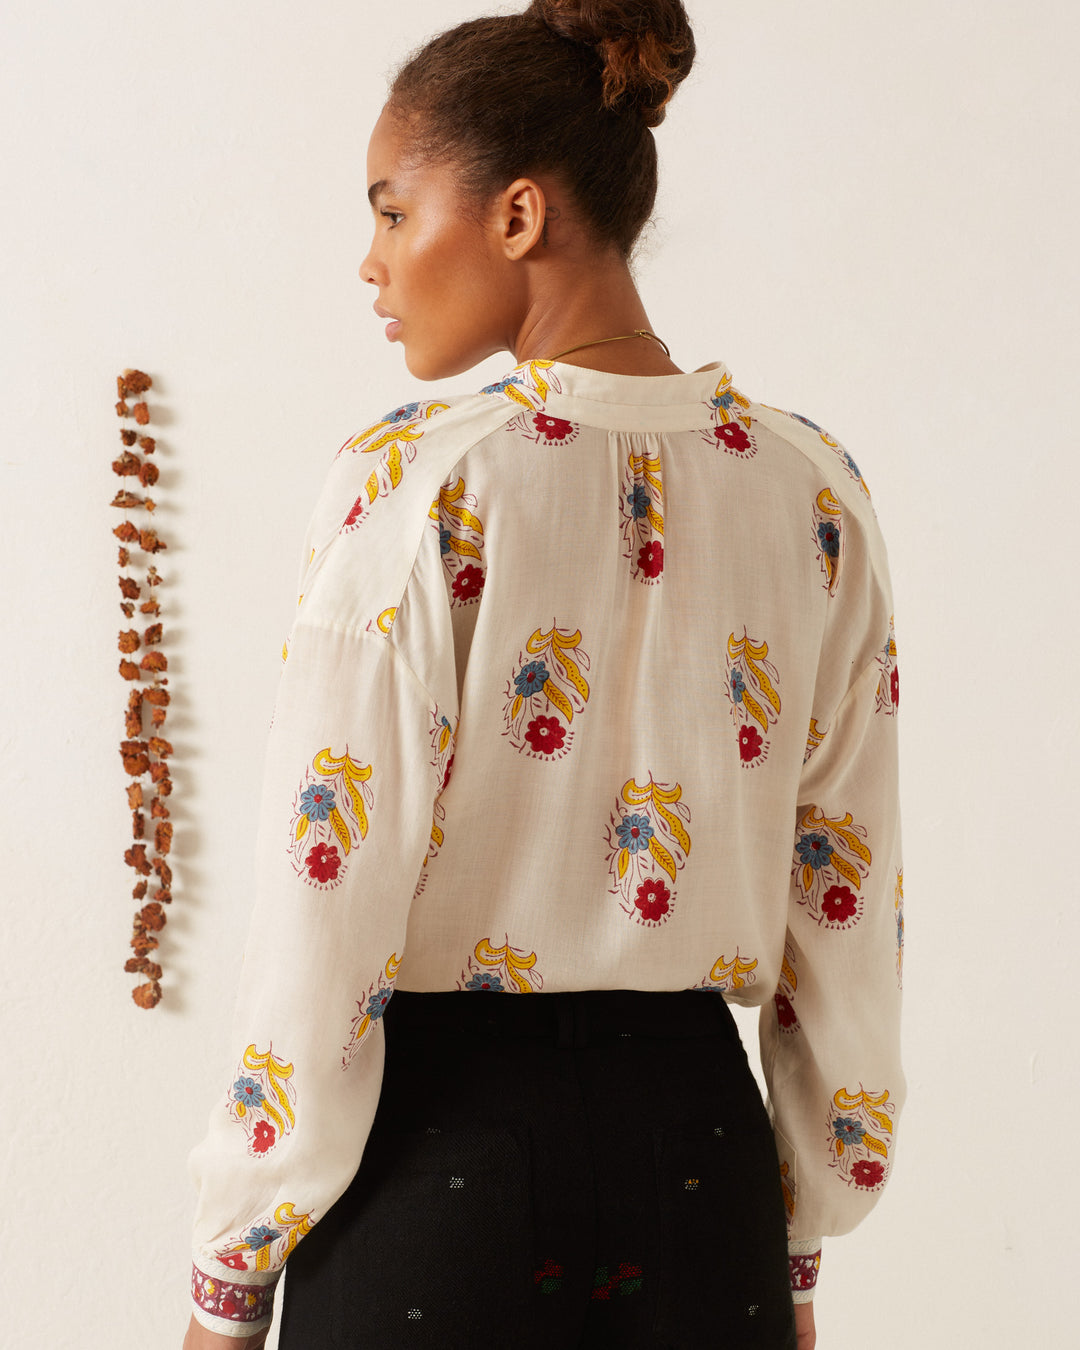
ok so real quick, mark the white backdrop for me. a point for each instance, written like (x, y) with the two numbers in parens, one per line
(870, 215)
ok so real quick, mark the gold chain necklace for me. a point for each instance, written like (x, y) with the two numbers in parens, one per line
(640, 332)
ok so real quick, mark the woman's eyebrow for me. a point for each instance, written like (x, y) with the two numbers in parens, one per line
(382, 186)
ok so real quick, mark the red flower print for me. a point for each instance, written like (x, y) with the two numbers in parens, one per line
(554, 428)
(749, 743)
(265, 1136)
(785, 1013)
(355, 514)
(234, 1260)
(228, 1307)
(894, 686)
(446, 775)
(867, 1173)
(546, 734)
(650, 558)
(323, 862)
(733, 437)
(838, 904)
(652, 899)
(468, 583)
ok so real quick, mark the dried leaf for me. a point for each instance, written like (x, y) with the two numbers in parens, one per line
(154, 661)
(122, 409)
(160, 746)
(128, 500)
(127, 608)
(123, 557)
(129, 588)
(157, 716)
(135, 857)
(151, 969)
(138, 825)
(135, 765)
(156, 695)
(147, 444)
(152, 635)
(150, 543)
(147, 995)
(143, 943)
(149, 607)
(129, 670)
(142, 414)
(152, 578)
(133, 722)
(159, 809)
(129, 641)
(163, 836)
(128, 465)
(133, 381)
(148, 474)
(135, 795)
(137, 963)
(153, 916)
(126, 532)
(164, 871)
(159, 772)
(127, 435)
(132, 747)
(138, 890)
(164, 895)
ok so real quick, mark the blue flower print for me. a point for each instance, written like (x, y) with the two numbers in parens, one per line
(828, 533)
(501, 386)
(317, 801)
(724, 401)
(851, 465)
(489, 982)
(848, 1130)
(635, 833)
(261, 1236)
(814, 849)
(639, 502)
(403, 413)
(444, 541)
(378, 1001)
(806, 422)
(246, 1090)
(531, 679)
(738, 686)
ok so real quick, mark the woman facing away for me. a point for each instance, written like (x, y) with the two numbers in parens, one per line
(590, 696)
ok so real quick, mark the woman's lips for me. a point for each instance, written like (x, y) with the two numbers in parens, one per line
(392, 329)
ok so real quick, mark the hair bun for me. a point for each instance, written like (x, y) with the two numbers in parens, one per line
(646, 46)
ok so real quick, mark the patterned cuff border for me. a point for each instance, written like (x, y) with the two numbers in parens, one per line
(229, 1300)
(804, 1267)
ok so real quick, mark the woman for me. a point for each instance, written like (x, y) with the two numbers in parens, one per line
(591, 694)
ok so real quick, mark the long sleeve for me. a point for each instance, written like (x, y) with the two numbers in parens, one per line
(348, 792)
(830, 1039)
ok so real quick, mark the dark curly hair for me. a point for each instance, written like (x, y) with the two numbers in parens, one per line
(569, 87)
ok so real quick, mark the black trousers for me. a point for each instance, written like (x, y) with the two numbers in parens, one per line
(583, 1169)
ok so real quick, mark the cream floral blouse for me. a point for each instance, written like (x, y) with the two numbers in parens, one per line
(592, 684)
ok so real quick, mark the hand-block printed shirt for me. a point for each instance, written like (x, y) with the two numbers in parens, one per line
(592, 684)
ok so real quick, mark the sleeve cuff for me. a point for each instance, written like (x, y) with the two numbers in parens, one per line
(804, 1262)
(231, 1307)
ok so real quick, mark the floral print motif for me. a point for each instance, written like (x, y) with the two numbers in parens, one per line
(371, 1008)
(641, 504)
(754, 696)
(786, 1017)
(731, 976)
(730, 422)
(849, 464)
(828, 537)
(261, 1099)
(646, 835)
(269, 1241)
(888, 690)
(543, 696)
(382, 624)
(501, 970)
(898, 905)
(859, 1135)
(831, 863)
(330, 817)
(528, 385)
(461, 537)
(543, 429)
(814, 737)
(231, 1300)
(394, 439)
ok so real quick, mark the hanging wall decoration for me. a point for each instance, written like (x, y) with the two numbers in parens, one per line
(144, 750)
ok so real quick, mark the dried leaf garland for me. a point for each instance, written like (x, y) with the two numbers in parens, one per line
(142, 755)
